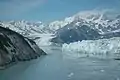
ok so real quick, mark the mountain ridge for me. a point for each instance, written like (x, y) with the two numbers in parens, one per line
(100, 21)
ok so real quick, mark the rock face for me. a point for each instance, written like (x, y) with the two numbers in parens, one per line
(75, 33)
(14, 48)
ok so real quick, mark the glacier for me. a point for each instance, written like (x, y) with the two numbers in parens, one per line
(44, 39)
(102, 48)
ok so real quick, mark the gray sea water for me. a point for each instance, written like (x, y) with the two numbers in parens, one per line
(57, 66)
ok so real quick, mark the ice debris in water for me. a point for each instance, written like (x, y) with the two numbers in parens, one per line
(102, 47)
(71, 74)
(102, 70)
(118, 79)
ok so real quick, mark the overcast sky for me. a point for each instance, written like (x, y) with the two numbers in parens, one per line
(50, 10)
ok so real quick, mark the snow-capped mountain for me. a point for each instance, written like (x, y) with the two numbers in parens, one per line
(87, 25)
(96, 23)
(100, 21)
(24, 27)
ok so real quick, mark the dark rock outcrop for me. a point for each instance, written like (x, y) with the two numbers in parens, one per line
(75, 33)
(72, 33)
(14, 48)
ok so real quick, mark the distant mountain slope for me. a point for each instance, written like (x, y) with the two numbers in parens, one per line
(72, 34)
(24, 27)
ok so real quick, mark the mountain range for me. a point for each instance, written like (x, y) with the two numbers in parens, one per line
(88, 25)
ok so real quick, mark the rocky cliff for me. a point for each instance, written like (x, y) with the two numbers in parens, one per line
(14, 48)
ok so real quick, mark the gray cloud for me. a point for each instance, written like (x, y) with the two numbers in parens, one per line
(16, 7)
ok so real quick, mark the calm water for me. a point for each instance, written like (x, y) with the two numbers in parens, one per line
(57, 66)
